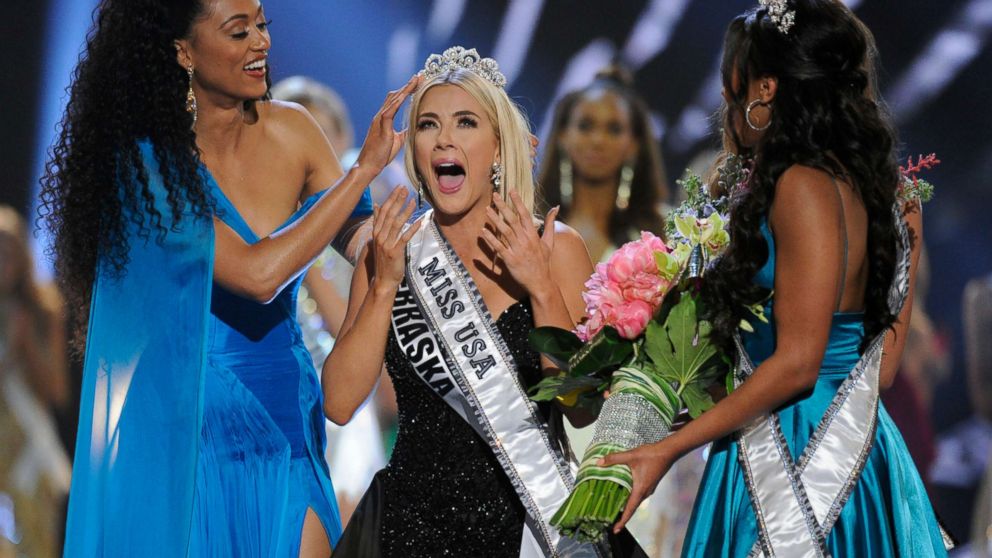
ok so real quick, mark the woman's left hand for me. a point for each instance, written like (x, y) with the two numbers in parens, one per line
(525, 254)
(648, 464)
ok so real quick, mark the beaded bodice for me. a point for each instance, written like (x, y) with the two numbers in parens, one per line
(446, 493)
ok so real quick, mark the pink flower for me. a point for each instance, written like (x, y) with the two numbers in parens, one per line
(635, 258)
(634, 268)
(625, 291)
(631, 318)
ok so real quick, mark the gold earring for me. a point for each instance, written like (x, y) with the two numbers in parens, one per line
(565, 180)
(623, 191)
(190, 96)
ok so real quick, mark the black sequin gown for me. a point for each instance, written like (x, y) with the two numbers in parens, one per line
(443, 492)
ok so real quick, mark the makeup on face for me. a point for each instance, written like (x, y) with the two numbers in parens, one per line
(599, 136)
(231, 47)
(457, 143)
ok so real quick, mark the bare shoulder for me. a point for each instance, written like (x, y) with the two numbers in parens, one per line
(568, 243)
(803, 190)
(287, 117)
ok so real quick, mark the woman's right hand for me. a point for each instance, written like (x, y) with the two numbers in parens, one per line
(389, 239)
(382, 142)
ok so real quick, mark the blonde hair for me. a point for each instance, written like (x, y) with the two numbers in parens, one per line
(507, 119)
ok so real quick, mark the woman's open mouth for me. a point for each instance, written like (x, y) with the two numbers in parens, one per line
(450, 176)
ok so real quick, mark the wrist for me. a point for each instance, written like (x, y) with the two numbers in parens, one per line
(672, 447)
(383, 289)
(543, 292)
(363, 173)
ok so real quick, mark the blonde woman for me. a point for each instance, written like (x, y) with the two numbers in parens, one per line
(478, 469)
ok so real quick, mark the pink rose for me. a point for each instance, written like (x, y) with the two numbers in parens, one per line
(625, 291)
(602, 297)
(634, 268)
(647, 287)
(607, 293)
(634, 258)
(631, 319)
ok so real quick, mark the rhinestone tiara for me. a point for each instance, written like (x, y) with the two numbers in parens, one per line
(780, 14)
(458, 58)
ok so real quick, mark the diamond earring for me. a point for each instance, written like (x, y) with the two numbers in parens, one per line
(190, 96)
(497, 176)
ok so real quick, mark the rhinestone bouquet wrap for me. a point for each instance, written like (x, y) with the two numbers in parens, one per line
(643, 338)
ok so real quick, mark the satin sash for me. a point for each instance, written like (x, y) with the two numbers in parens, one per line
(797, 503)
(445, 330)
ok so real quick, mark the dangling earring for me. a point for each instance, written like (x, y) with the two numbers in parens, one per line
(565, 180)
(420, 191)
(497, 176)
(623, 191)
(747, 116)
(190, 96)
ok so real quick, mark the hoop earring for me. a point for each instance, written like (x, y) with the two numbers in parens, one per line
(623, 191)
(565, 180)
(747, 116)
(190, 96)
(497, 176)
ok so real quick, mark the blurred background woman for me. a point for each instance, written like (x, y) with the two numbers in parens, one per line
(603, 166)
(34, 469)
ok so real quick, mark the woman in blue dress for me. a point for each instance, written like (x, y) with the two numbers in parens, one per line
(805, 460)
(185, 209)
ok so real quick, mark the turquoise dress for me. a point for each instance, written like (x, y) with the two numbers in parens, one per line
(201, 424)
(888, 512)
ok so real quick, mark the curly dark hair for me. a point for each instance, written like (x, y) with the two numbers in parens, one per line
(649, 186)
(126, 88)
(826, 115)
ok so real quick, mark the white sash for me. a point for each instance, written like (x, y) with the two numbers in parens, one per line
(797, 504)
(445, 330)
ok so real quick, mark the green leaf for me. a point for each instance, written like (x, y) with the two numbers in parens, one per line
(680, 347)
(606, 350)
(696, 399)
(729, 383)
(590, 391)
(548, 388)
(712, 370)
(555, 343)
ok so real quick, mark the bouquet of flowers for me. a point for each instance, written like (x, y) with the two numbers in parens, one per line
(644, 340)
(912, 187)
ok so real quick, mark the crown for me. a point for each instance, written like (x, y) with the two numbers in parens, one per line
(458, 58)
(780, 14)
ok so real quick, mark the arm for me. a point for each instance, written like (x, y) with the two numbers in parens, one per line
(260, 270)
(895, 340)
(552, 269)
(351, 370)
(571, 266)
(808, 247)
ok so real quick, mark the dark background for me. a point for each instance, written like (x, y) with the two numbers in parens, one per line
(936, 62)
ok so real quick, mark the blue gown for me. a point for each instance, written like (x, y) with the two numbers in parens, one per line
(201, 424)
(888, 512)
